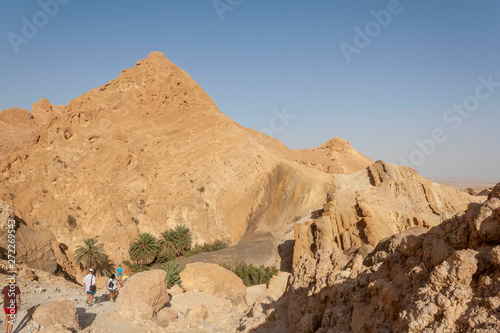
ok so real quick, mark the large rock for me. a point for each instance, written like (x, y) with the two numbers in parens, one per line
(214, 279)
(33, 248)
(144, 295)
(58, 316)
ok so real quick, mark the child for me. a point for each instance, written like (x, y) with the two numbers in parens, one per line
(112, 286)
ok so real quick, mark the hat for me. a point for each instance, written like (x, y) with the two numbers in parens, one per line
(91, 270)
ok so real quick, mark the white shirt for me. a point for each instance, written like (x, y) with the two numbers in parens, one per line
(88, 280)
(114, 281)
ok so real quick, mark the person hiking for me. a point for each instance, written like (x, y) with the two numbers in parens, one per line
(11, 303)
(112, 286)
(90, 286)
(119, 271)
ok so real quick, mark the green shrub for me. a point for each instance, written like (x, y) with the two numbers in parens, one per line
(174, 243)
(252, 275)
(210, 247)
(144, 249)
(136, 268)
(71, 221)
(173, 273)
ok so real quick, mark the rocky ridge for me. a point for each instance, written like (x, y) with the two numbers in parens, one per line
(443, 280)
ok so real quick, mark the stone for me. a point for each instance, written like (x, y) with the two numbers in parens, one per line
(200, 312)
(495, 256)
(175, 290)
(166, 316)
(214, 279)
(57, 316)
(143, 295)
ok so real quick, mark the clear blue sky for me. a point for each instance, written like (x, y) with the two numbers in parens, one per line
(269, 55)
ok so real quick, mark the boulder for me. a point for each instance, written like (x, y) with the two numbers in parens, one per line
(214, 279)
(57, 316)
(143, 295)
(166, 316)
(175, 290)
(36, 248)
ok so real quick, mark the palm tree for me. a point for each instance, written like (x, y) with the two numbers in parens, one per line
(174, 243)
(91, 254)
(144, 249)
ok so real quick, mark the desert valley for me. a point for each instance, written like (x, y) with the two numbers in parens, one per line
(357, 245)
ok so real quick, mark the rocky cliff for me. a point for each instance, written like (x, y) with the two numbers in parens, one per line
(443, 280)
(375, 203)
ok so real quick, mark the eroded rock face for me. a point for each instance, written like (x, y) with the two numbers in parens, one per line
(57, 316)
(33, 248)
(445, 280)
(214, 279)
(371, 205)
(16, 128)
(144, 295)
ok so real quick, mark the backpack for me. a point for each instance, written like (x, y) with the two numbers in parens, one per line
(111, 284)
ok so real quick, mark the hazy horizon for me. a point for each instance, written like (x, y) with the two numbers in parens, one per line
(402, 81)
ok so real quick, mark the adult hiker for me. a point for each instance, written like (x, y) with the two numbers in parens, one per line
(112, 286)
(11, 303)
(90, 286)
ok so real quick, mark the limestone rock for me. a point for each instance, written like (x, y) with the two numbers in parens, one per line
(371, 205)
(56, 316)
(214, 279)
(34, 249)
(445, 280)
(166, 316)
(16, 128)
(144, 295)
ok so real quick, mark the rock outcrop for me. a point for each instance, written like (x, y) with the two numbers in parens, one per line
(214, 279)
(60, 315)
(144, 295)
(445, 280)
(374, 204)
(16, 128)
(33, 247)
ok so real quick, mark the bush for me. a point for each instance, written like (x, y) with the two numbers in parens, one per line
(173, 273)
(252, 275)
(136, 268)
(210, 247)
(144, 249)
(174, 243)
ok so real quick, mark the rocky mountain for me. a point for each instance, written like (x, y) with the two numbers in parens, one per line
(442, 280)
(149, 151)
